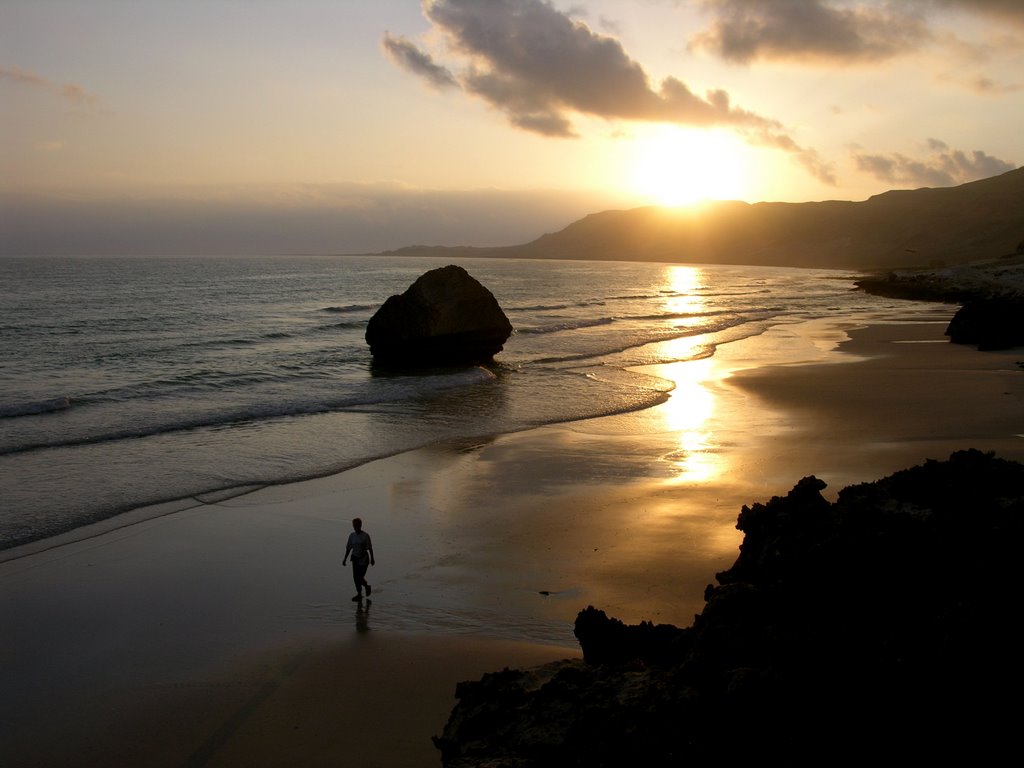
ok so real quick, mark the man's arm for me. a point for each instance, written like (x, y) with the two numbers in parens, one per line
(369, 548)
(348, 549)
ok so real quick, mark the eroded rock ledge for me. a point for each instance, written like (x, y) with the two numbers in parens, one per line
(991, 294)
(879, 628)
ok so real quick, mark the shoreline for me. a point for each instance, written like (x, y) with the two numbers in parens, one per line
(486, 551)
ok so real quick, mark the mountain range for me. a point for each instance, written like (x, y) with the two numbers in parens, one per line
(901, 228)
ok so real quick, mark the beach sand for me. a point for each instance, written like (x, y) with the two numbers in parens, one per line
(223, 633)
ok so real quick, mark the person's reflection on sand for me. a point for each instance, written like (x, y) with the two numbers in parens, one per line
(363, 616)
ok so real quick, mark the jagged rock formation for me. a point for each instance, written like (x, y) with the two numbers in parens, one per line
(979, 280)
(446, 317)
(880, 628)
(991, 293)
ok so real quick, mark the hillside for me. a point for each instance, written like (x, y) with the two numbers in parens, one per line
(900, 228)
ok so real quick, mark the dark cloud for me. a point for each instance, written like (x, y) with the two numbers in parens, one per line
(409, 57)
(67, 91)
(945, 167)
(746, 30)
(540, 67)
(743, 31)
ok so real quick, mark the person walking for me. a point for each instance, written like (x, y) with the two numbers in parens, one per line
(360, 548)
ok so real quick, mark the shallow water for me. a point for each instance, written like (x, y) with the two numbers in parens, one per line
(127, 381)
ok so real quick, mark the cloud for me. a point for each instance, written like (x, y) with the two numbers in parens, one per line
(406, 55)
(808, 158)
(541, 68)
(963, 58)
(835, 31)
(945, 167)
(1006, 10)
(980, 84)
(67, 91)
(987, 86)
(746, 30)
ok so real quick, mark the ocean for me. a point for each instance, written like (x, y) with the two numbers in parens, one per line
(129, 381)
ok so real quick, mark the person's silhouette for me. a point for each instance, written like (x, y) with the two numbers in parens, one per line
(360, 548)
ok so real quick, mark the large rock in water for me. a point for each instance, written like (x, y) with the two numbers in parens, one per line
(446, 317)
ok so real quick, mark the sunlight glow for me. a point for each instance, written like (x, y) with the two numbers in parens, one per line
(676, 166)
(691, 402)
(684, 284)
(687, 412)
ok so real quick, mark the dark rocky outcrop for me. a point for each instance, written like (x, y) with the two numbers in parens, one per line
(879, 628)
(446, 317)
(991, 293)
(990, 324)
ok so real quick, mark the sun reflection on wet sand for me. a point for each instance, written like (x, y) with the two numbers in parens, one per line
(691, 402)
(688, 412)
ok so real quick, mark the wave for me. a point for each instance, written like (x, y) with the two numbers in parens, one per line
(350, 308)
(572, 325)
(558, 307)
(234, 342)
(184, 383)
(53, 405)
(721, 332)
(208, 343)
(336, 326)
(241, 341)
(645, 296)
(683, 315)
(406, 388)
(540, 308)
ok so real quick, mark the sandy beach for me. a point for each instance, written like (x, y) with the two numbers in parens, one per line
(223, 634)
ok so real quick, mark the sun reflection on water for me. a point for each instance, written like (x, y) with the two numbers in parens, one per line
(691, 403)
(684, 284)
(688, 412)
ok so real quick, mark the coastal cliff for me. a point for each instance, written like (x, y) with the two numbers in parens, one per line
(881, 624)
(899, 228)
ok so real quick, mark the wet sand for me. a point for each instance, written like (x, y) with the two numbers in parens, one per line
(223, 634)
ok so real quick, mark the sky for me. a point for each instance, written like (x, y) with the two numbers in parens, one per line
(333, 126)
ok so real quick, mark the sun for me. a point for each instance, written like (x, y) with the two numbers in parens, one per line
(679, 166)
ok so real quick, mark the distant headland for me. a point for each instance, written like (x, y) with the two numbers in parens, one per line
(897, 229)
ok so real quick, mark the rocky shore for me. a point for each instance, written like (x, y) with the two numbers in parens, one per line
(880, 626)
(991, 293)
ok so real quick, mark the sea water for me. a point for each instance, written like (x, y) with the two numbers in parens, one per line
(127, 381)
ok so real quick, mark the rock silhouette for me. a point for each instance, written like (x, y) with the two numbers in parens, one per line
(992, 324)
(879, 628)
(446, 317)
(991, 295)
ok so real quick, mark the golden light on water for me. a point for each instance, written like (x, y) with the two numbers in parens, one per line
(684, 283)
(691, 403)
(687, 412)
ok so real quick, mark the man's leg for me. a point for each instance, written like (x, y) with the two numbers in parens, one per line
(359, 575)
